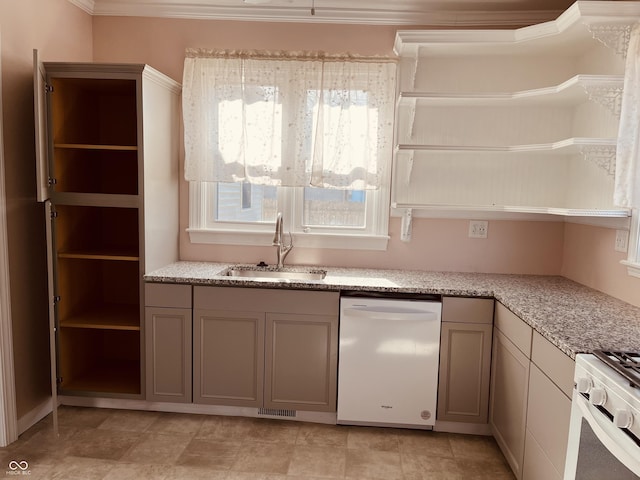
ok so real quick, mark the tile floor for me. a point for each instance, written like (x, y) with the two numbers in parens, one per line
(101, 444)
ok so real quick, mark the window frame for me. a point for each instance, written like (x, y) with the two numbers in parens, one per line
(373, 237)
(633, 255)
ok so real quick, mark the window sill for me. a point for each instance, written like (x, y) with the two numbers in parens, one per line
(304, 240)
(633, 268)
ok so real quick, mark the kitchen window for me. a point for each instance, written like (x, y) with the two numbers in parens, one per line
(307, 135)
(633, 259)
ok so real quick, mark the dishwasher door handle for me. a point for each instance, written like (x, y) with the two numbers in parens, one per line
(393, 315)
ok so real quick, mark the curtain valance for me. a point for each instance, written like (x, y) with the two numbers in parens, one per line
(288, 118)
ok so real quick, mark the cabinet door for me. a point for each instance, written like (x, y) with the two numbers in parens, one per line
(53, 340)
(465, 367)
(536, 462)
(228, 358)
(301, 362)
(548, 413)
(168, 354)
(40, 113)
(508, 407)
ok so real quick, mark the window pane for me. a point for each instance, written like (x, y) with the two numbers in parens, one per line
(243, 202)
(334, 208)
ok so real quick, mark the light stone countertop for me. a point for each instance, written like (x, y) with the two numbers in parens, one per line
(575, 318)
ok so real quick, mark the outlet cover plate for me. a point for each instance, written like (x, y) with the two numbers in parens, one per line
(478, 228)
(622, 241)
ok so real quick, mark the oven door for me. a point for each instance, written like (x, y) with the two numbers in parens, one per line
(597, 449)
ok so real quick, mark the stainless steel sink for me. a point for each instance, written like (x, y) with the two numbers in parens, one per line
(289, 274)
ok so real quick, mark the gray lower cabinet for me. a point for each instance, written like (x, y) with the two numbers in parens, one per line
(465, 360)
(531, 388)
(168, 343)
(301, 362)
(262, 348)
(548, 411)
(510, 385)
(228, 358)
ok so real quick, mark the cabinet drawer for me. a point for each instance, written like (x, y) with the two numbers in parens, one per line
(553, 362)
(266, 300)
(467, 310)
(167, 295)
(514, 328)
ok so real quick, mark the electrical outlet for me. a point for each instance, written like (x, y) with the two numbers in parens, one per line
(622, 241)
(478, 228)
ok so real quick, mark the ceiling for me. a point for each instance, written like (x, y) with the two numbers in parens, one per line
(381, 12)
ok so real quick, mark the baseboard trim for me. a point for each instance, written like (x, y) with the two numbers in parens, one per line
(467, 428)
(32, 417)
(328, 418)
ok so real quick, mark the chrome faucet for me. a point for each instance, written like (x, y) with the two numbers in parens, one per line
(283, 250)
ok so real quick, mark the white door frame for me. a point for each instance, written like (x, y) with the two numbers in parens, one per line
(8, 412)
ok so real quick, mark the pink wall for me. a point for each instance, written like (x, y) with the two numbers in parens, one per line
(161, 42)
(60, 31)
(589, 258)
(512, 247)
(437, 245)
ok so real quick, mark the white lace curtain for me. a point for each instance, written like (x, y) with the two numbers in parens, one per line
(627, 178)
(287, 119)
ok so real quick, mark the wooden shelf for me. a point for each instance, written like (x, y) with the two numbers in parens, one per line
(572, 92)
(112, 377)
(96, 199)
(101, 255)
(105, 317)
(86, 146)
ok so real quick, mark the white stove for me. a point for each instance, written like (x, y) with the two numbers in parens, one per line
(604, 436)
(606, 387)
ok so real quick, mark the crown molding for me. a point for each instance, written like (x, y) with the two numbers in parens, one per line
(589, 14)
(86, 5)
(204, 10)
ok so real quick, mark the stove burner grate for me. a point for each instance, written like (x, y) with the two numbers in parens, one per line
(625, 363)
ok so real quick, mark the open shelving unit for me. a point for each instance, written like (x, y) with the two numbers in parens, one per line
(95, 151)
(106, 172)
(517, 121)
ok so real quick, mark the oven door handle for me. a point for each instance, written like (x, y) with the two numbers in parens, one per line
(622, 447)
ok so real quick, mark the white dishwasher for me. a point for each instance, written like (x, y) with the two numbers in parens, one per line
(388, 361)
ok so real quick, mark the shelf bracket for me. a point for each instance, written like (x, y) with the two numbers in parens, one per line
(412, 118)
(615, 37)
(405, 227)
(409, 167)
(609, 97)
(603, 156)
(414, 68)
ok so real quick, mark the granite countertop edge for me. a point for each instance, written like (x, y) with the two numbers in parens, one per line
(573, 317)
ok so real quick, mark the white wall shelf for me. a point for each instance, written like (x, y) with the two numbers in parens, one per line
(569, 34)
(566, 212)
(564, 147)
(514, 121)
(603, 89)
